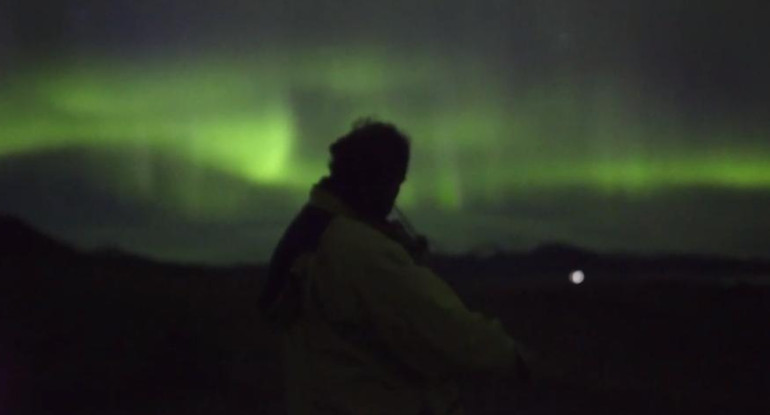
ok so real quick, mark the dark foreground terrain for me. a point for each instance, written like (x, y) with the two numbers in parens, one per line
(106, 333)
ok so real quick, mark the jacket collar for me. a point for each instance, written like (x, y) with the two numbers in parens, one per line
(322, 197)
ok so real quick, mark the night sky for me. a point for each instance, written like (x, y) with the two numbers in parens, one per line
(193, 131)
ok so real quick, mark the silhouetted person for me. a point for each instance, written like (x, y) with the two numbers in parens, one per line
(366, 329)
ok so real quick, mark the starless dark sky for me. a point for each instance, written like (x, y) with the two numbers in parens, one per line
(193, 130)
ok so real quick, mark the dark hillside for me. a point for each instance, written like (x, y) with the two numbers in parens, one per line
(108, 333)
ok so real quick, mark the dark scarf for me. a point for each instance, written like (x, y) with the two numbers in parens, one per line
(365, 207)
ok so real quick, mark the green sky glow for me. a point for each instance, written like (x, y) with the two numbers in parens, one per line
(266, 120)
(473, 139)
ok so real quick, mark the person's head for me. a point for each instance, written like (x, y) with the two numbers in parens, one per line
(368, 166)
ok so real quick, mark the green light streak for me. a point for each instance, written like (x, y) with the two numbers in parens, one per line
(255, 148)
(474, 137)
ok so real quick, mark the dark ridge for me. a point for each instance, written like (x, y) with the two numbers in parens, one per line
(20, 240)
(558, 259)
(560, 250)
(85, 331)
(562, 256)
(113, 252)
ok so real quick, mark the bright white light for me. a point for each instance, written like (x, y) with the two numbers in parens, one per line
(577, 277)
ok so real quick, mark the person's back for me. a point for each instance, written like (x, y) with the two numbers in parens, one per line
(366, 329)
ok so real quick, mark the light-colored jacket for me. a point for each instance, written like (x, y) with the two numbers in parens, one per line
(379, 334)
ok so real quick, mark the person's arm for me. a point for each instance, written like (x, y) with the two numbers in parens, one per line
(422, 319)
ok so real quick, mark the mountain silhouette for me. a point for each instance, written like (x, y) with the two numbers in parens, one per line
(20, 240)
(563, 255)
(89, 330)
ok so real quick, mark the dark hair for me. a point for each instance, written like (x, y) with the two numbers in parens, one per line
(373, 151)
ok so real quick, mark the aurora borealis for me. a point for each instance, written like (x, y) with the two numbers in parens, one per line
(197, 137)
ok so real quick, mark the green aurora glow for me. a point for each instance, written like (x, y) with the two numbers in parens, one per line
(476, 138)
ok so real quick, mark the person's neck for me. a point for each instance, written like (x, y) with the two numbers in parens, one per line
(349, 197)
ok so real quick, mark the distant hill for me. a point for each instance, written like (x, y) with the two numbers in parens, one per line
(22, 241)
(112, 333)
